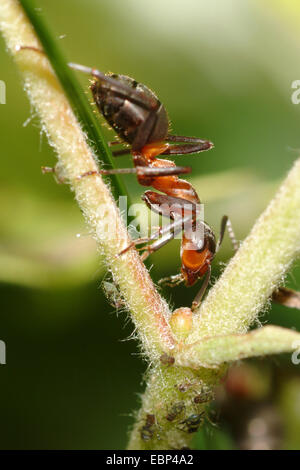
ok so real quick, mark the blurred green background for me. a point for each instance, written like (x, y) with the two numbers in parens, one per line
(223, 69)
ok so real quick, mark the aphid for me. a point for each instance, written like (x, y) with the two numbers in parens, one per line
(175, 411)
(202, 398)
(140, 121)
(147, 431)
(113, 295)
(150, 420)
(184, 386)
(192, 423)
(167, 360)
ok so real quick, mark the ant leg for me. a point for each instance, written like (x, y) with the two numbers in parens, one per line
(141, 240)
(225, 222)
(120, 153)
(187, 148)
(149, 249)
(172, 281)
(56, 172)
(197, 300)
(30, 48)
(113, 142)
(126, 91)
(162, 171)
(169, 206)
(140, 171)
(287, 297)
(48, 169)
(184, 138)
(189, 145)
(170, 231)
(234, 242)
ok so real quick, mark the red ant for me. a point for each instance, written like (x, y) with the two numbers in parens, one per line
(140, 120)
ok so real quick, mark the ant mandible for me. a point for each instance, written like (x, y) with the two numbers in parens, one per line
(140, 120)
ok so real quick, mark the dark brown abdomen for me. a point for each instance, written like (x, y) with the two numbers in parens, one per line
(126, 117)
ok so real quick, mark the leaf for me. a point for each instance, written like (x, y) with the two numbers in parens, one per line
(212, 352)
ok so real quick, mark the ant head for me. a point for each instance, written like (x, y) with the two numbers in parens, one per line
(197, 252)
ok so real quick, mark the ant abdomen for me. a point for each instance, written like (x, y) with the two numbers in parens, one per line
(130, 117)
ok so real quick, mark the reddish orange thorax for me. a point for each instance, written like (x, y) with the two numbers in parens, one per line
(170, 185)
(195, 260)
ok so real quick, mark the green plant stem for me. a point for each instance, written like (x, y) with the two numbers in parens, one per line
(259, 266)
(75, 157)
(80, 106)
(231, 306)
(212, 352)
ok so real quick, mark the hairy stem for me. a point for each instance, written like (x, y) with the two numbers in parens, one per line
(257, 269)
(231, 307)
(212, 352)
(75, 156)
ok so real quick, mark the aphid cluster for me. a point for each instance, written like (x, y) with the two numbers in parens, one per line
(185, 415)
(199, 396)
(184, 422)
(176, 415)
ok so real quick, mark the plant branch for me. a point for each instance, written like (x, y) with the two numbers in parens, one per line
(212, 352)
(231, 306)
(75, 156)
(257, 269)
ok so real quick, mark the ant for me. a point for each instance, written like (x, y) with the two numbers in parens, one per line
(141, 121)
